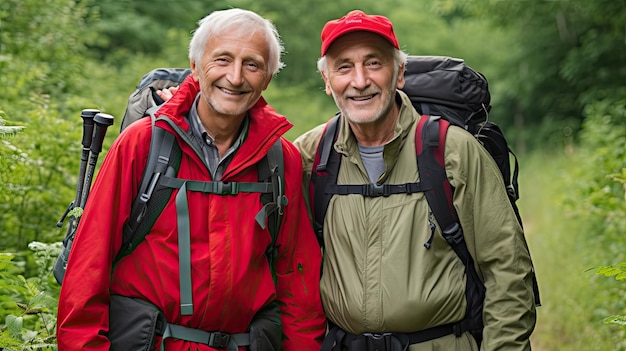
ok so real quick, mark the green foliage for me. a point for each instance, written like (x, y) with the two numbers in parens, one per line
(37, 180)
(574, 304)
(601, 181)
(586, 190)
(604, 210)
(564, 55)
(127, 28)
(619, 272)
(8, 130)
(42, 42)
(29, 313)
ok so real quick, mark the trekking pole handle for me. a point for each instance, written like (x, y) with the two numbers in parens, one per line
(87, 115)
(102, 122)
(88, 125)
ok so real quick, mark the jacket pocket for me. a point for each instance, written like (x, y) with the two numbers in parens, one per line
(133, 324)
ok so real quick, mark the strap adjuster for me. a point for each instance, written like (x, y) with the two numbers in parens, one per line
(376, 190)
(226, 188)
(375, 342)
(218, 340)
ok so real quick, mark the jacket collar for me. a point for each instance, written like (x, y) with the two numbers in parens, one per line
(266, 125)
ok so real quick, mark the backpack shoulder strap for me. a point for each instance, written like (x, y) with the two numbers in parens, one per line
(272, 167)
(164, 158)
(323, 174)
(430, 138)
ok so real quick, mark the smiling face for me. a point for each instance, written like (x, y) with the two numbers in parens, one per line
(232, 74)
(362, 76)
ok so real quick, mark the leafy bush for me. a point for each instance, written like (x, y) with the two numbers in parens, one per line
(599, 194)
(599, 203)
(28, 304)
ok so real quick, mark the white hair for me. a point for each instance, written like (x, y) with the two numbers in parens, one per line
(243, 22)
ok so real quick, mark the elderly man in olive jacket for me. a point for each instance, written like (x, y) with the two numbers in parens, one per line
(379, 281)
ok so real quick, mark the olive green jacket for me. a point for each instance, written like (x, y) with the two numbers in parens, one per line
(379, 277)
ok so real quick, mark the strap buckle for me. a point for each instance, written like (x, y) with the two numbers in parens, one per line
(378, 342)
(226, 188)
(376, 190)
(453, 234)
(218, 340)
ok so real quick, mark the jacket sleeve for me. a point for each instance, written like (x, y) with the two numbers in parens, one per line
(496, 240)
(298, 266)
(307, 144)
(83, 309)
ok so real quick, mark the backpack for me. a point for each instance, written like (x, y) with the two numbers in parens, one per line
(144, 97)
(159, 180)
(445, 91)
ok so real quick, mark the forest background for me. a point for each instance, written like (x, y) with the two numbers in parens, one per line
(557, 73)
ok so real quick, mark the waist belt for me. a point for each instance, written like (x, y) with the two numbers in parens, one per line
(216, 340)
(338, 339)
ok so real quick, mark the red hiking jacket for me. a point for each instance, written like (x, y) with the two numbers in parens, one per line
(231, 279)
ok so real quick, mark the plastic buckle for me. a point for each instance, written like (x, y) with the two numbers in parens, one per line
(510, 190)
(377, 342)
(375, 190)
(453, 234)
(456, 329)
(218, 340)
(229, 188)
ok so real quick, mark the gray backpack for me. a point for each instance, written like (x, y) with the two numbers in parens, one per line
(145, 97)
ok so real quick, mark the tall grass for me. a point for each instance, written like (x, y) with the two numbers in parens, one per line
(573, 297)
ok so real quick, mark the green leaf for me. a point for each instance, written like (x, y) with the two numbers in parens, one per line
(14, 326)
(29, 335)
(608, 271)
(616, 319)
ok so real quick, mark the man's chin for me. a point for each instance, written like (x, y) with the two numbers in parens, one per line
(361, 117)
(231, 108)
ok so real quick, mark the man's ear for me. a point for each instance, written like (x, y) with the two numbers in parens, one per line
(194, 71)
(329, 91)
(400, 81)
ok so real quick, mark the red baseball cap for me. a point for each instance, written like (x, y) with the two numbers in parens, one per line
(357, 21)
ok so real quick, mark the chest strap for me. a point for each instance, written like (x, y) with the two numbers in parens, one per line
(375, 190)
(216, 340)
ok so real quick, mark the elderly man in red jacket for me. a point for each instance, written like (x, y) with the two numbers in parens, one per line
(224, 129)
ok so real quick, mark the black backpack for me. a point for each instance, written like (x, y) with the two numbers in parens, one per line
(445, 91)
(159, 177)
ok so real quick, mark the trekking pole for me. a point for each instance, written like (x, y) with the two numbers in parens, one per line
(87, 116)
(59, 267)
(102, 122)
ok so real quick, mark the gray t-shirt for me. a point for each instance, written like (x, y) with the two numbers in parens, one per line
(372, 157)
